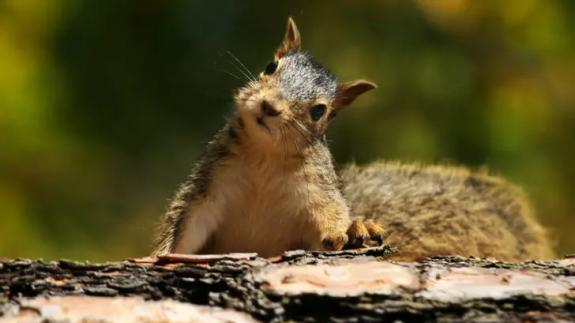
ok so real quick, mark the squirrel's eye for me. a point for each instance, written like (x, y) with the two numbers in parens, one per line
(317, 111)
(271, 68)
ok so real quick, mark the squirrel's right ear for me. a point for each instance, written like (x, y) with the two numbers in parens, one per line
(347, 92)
(291, 41)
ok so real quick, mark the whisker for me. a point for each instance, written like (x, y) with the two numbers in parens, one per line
(247, 78)
(305, 132)
(294, 143)
(302, 126)
(253, 78)
(296, 127)
(284, 142)
(232, 75)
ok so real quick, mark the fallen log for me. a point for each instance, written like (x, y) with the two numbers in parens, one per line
(356, 285)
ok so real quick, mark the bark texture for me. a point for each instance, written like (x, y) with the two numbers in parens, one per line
(358, 285)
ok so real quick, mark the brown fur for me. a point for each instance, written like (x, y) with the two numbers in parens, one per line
(255, 198)
(445, 210)
(267, 184)
(267, 181)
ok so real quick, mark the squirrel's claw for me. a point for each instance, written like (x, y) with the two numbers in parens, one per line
(362, 233)
(334, 242)
(357, 234)
(375, 231)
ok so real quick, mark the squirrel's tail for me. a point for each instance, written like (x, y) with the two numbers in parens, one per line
(446, 210)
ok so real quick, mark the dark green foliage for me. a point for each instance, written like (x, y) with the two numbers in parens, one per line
(104, 107)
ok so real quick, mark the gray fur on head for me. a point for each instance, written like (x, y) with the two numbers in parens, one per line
(303, 78)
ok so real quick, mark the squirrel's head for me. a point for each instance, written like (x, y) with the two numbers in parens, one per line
(293, 100)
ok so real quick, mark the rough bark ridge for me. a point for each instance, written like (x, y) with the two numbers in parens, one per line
(357, 285)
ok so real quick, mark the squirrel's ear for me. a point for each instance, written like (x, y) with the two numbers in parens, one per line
(291, 41)
(347, 92)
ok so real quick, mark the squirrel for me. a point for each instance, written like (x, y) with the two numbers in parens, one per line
(267, 184)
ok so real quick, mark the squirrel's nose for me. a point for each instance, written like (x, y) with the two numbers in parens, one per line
(269, 110)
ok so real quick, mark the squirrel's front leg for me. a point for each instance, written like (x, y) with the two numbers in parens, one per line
(199, 223)
(337, 229)
(332, 223)
(188, 224)
(360, 233)
(194, 212)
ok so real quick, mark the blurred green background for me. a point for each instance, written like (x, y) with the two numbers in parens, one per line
(105, 105)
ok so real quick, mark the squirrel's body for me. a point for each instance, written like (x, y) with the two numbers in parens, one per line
(267, 184)
(445, 210)
(254, 201)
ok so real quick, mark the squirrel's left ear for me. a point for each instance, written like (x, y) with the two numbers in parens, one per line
(291, 41)
(347, 92)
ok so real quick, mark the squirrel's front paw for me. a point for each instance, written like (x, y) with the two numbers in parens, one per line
(363, 233)
(334, 241)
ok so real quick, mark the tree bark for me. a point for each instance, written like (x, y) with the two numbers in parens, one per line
(358, 285)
